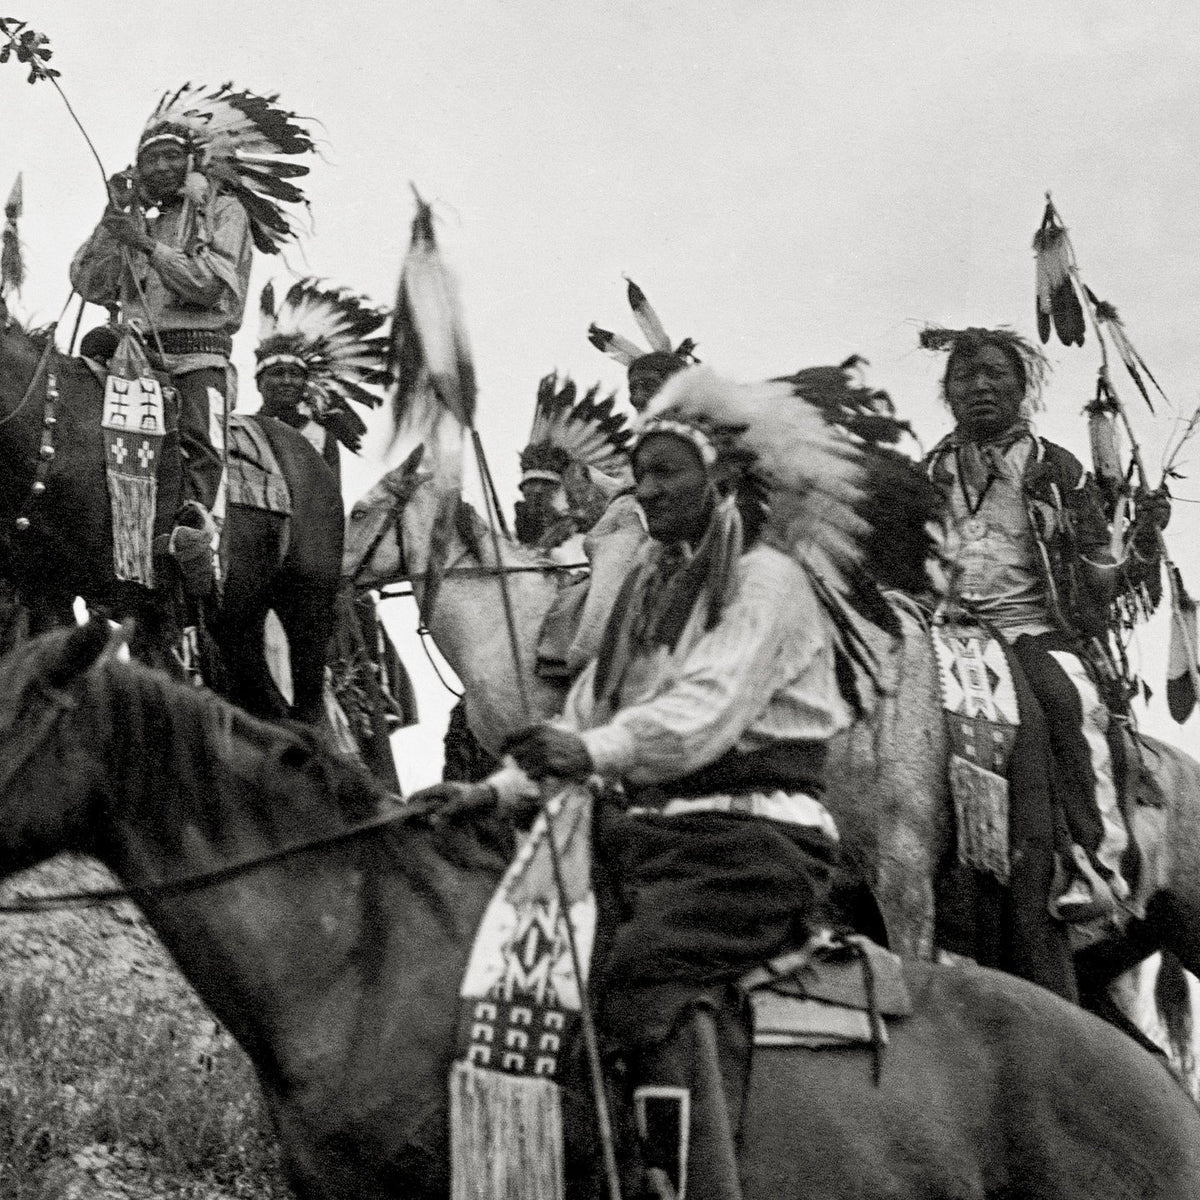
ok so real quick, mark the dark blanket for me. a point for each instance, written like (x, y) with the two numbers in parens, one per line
(698, 900)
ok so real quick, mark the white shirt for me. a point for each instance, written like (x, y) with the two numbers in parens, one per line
(763, 674)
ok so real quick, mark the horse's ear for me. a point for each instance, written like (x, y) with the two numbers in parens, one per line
(413, 461)
(80, 650)
(402, 480)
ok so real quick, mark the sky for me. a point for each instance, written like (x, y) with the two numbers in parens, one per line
(790, 184)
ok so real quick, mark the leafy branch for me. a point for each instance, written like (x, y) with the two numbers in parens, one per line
(30, 47)
(34, 48)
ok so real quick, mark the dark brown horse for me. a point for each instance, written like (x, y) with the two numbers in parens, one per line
(66, 548)
(337, 968)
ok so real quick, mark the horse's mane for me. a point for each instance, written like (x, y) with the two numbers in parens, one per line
(182, 757)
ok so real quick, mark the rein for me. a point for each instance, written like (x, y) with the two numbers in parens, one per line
(192, 883)
(61, 703)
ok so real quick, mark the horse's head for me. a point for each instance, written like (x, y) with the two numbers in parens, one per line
(48, 773)
(374, 553)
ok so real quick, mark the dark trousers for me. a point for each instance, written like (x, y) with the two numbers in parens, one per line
(202, 460)
(1075, 776)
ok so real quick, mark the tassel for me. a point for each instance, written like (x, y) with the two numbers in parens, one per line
(1056, 295)
(506, 1138)
(133, 503)
(1106, 446)
(1107, 315)
(12, 263)
(647, 318)
(1181, 658)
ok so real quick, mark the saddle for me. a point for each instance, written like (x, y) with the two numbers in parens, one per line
(683, 1121)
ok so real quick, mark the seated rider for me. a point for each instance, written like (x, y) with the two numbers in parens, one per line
(1031, 554)
(182, 274)
(711, 700)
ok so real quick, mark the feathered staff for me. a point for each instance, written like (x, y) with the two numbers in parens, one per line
(1058, 288)
(12, 264)
(1055, 269)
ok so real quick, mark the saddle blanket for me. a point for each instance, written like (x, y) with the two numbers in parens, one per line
(255, 478)
(829, 993)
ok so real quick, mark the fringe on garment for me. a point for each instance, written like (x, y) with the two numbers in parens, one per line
(981, 817)
(133, 500)
(506, 1137)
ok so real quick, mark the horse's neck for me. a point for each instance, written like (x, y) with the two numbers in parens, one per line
(309, 961)
(469, 622)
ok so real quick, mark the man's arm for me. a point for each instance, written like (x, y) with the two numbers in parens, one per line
(96, 267)
(219, 262)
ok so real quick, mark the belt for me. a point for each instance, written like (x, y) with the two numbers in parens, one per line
(193, 341)
(794, 809)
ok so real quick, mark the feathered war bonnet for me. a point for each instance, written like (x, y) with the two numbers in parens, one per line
(338, 338)
(238, 141)
(568, 428)
(817, 451)
(661, 357)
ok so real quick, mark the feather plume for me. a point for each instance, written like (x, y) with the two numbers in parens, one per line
(855, 512)
(568, 429)
(1107, 316)
(12, 261)
(647, 318)
(614, 345)
(239, 140)
(339, 338)
(1182, 660)
(627, 352)
(430, 351)
(1057, 299)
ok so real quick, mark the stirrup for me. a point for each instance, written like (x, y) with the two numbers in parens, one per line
(1087, 896)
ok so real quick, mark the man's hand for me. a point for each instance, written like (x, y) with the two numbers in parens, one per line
(454, 800)
(1153, 509)
(129, 230)
(548, 750)
(120, 191)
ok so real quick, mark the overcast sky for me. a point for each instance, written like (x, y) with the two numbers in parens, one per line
(790, 184)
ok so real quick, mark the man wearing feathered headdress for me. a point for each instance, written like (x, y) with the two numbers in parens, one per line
(647, 370)
(173, 250)
(712, 700)
(1031, 549)
(321, 352)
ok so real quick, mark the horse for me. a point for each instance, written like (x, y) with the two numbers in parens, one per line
(328, 927)
(57, 545)
(887, 775)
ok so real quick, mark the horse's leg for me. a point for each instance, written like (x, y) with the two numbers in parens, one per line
(239, 629)
(305, 610)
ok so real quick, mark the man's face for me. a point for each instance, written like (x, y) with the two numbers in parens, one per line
(984, 390)
(644, 384)
(162, 168)
(282, 387)
(673, 488)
